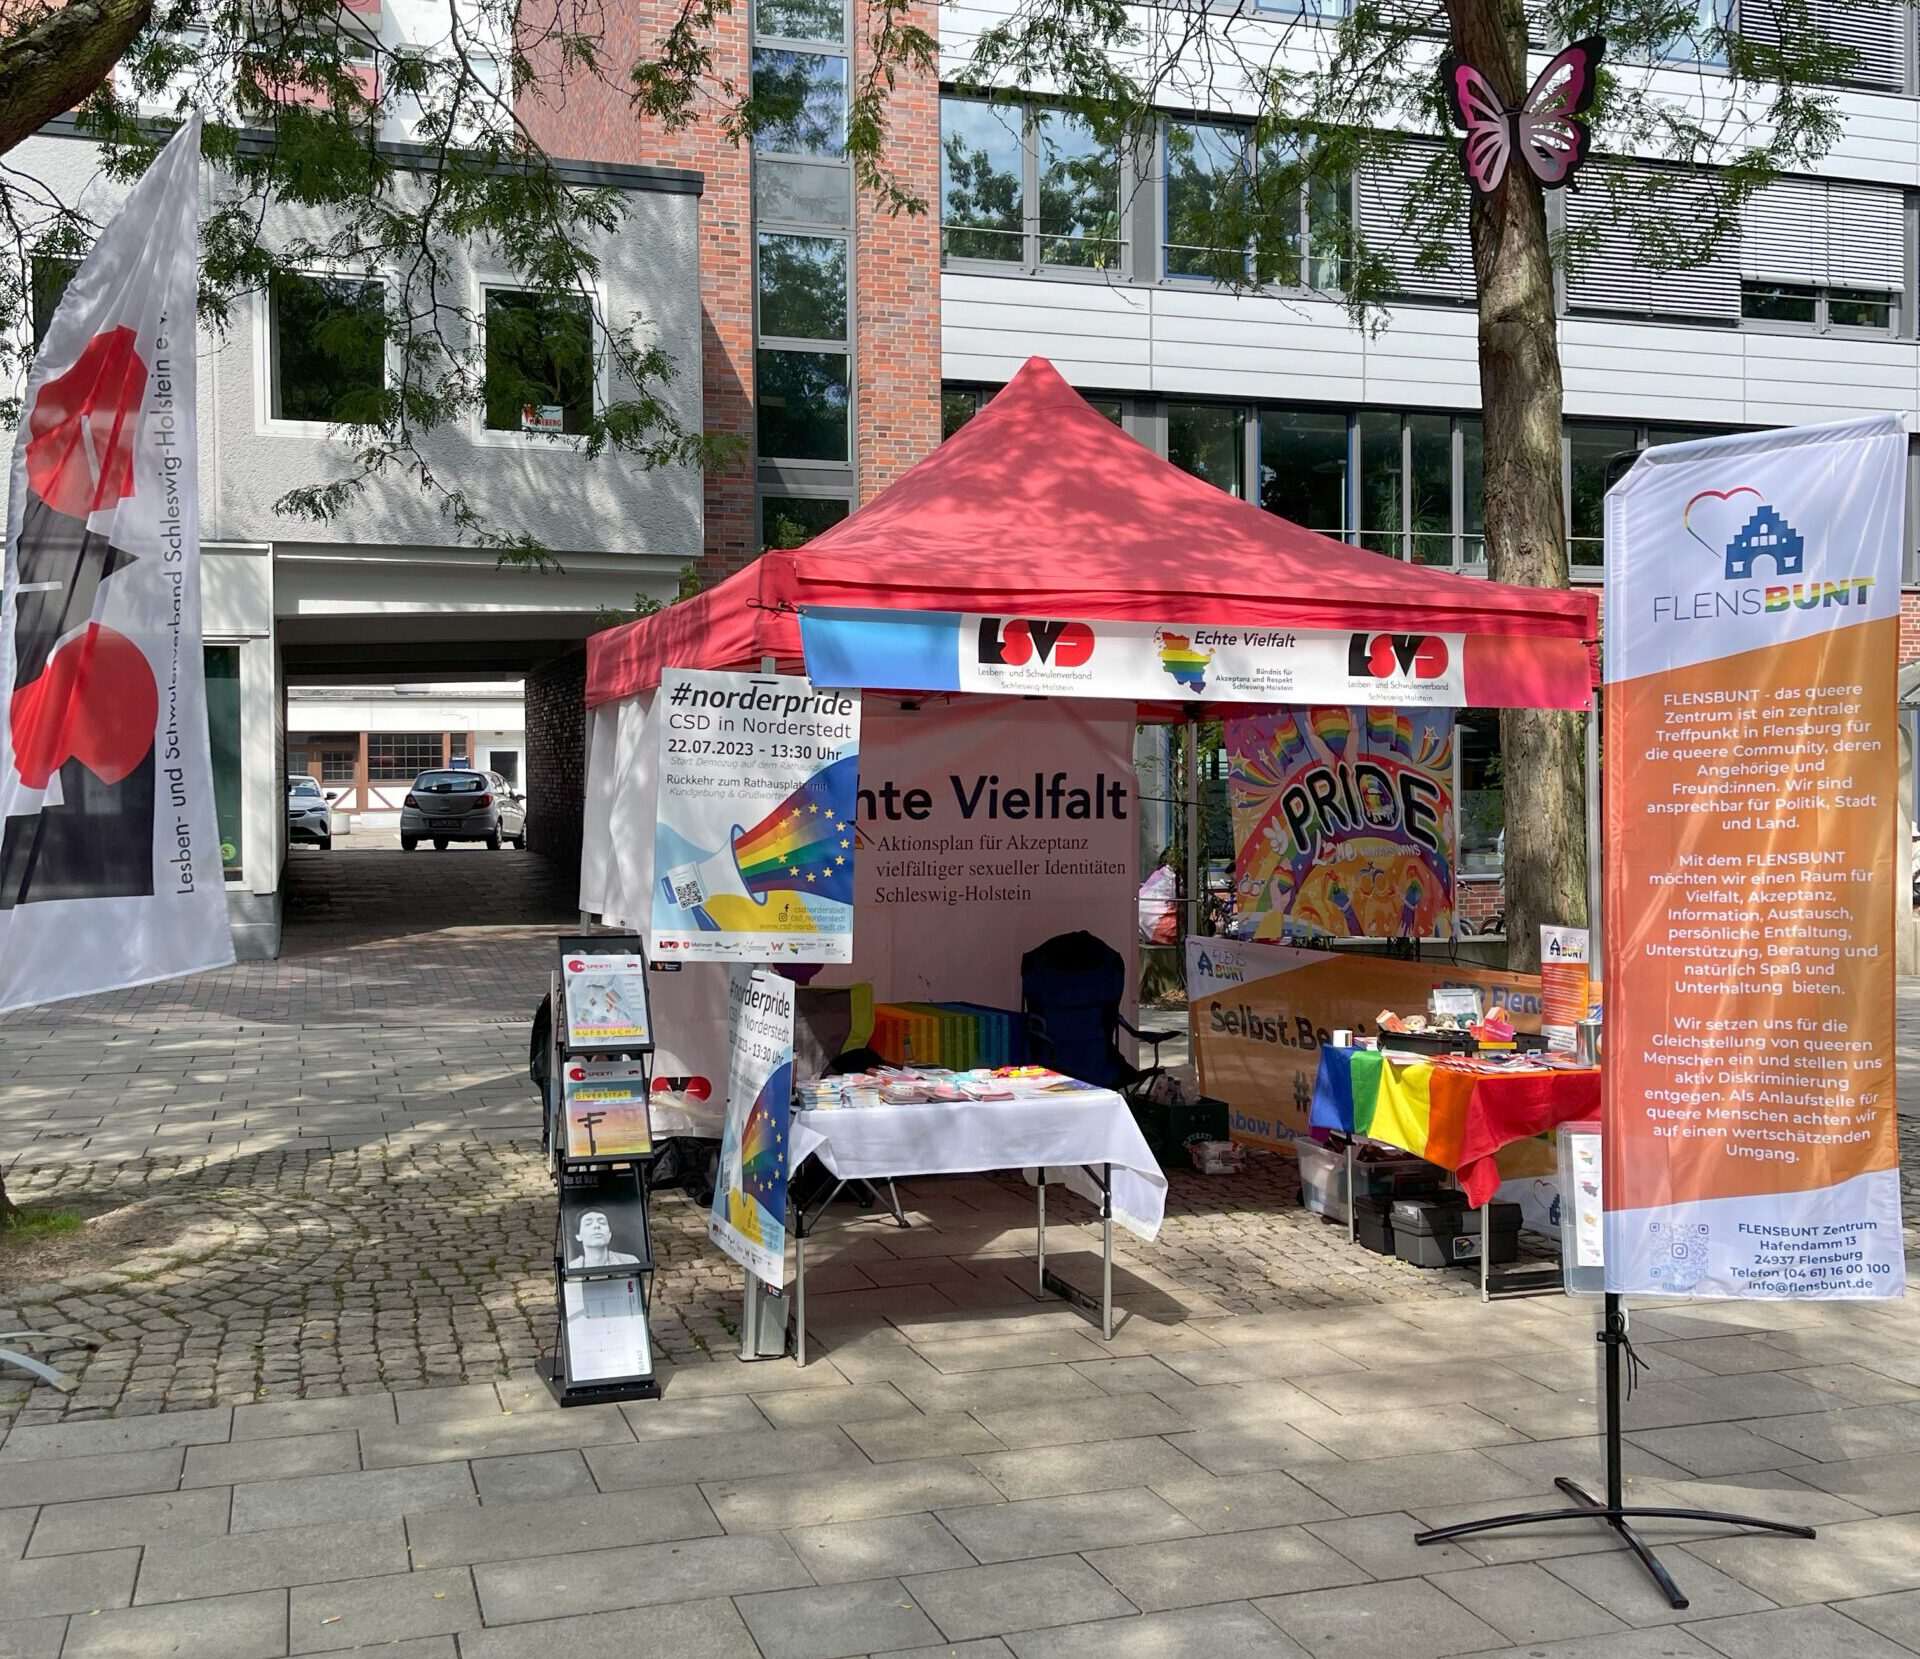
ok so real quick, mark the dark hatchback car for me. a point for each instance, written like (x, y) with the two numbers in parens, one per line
(460, 805)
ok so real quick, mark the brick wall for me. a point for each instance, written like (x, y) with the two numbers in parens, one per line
(897, 287)
(557, 758)
(896, 256)
(1909, 626)
(588, 119)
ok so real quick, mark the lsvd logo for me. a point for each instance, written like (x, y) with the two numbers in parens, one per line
(1017, 641)
(1391, 656)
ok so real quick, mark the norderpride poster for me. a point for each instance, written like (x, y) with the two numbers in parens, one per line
(1752, 631)
(110, 869)
(749, 1219)
(754, 839)
(1343, 822)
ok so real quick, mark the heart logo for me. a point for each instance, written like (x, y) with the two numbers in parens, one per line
(1714, 517)
(94, 702)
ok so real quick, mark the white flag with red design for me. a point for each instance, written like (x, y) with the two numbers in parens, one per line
(110, 869)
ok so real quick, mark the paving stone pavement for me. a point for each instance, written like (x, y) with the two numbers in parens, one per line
(311, 1424)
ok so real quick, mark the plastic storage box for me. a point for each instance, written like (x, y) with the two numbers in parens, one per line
(1438, 1230)
(1323, 1177)
(1373, 1222)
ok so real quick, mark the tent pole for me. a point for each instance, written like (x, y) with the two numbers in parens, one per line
(1191, 789)
(1595, 834)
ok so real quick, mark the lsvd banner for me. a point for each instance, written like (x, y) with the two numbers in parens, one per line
(110, 868)
(1752, 631)
(1343, 822)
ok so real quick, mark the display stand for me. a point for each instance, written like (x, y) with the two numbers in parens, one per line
(1614, 1511)
(599, 1146)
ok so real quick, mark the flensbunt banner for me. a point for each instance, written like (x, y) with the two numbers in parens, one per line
(1752, 632)
(109, 846)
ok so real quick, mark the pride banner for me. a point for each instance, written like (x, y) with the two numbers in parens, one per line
(1752, 631)
(1343, 822)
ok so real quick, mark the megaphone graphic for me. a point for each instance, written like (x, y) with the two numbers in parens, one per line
(805, 845)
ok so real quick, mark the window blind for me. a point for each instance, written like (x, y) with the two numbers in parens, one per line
(1385, 188)
(1818, 232)
(1615, 274)
(1875, 30)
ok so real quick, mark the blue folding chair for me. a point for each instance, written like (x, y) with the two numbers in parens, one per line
(1070, 991)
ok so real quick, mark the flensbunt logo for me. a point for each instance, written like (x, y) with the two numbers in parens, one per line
(1752, 539)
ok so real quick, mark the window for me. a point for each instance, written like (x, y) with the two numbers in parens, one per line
(1703, 39)
(1209, 441)
(1303, 468)
(1430, 489)
(1822, 254)
(793, 521)
(800, 101)
(539, 362)
(1875, 31)
(400, 757)
(1473, 520)
(328, 341)
(803, 287)
(956, 409)
(507, 763)
(1026, 186)
(1207, 177)
(51, 274)
(223, 733)
(803, 405)
(1079, 205)
(1382, 464)
(1591, 451)
(1110, 407)
(1421, 494)
(339, 763)
(1823, 309)
(1779, 302)
(1483, 815)
(983, 211)
(819, 20)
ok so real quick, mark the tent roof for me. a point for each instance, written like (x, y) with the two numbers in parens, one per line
(1041, 507)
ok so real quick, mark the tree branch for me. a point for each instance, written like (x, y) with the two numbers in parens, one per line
(59, 59)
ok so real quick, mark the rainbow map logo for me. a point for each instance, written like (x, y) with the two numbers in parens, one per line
(1180, 658)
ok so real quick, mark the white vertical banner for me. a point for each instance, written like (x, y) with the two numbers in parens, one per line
(1752, 631)
(109, 847)
(749, 1219)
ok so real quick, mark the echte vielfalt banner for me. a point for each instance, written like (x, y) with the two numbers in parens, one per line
(1751, 634)
(749, 1219)
(754, 833)
(110, 868)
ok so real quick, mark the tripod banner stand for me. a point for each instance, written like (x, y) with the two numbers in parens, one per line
(601, 1145)
(1751, 626)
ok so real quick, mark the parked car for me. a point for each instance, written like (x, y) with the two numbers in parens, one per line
(462, 805)
(309, 813)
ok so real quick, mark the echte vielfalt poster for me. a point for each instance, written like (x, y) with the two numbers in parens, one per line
(1752, 626)
(1343, 822)
(754, 838)
(749, 1218)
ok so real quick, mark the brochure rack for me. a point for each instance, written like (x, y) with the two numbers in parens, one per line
(599, 1146)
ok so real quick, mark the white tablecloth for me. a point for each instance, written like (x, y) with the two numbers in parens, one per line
(1057, 1132)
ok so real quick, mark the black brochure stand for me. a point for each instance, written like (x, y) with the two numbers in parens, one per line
(1615, 1511)
(609, 1301)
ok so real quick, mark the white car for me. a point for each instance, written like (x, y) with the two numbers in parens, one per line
(309, 813)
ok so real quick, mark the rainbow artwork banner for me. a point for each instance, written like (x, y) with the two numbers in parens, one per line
(754, 835)
(749, 1219)
(1343, 822)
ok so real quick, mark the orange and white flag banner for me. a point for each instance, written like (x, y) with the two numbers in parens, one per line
(1752, 619)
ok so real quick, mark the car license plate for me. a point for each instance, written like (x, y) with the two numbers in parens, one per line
(444, 823)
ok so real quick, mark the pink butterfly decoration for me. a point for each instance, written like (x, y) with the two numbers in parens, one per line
(1546, 129)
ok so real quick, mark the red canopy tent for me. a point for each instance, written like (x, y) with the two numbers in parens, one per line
(1041, 507)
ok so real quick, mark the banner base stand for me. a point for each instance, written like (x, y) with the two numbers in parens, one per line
(553, 1374)
(1615, 1512)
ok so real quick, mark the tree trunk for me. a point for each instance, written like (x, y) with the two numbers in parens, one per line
(8, 1209)
(1542, 751)
(53, 64)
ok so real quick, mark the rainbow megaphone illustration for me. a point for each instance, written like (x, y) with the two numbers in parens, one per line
(805, 845)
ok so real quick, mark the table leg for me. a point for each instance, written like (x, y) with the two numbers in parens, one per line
(1040, 1227)
(1352, 1202)
(1106, 1270)
(800, 1291)
(1486, 1248)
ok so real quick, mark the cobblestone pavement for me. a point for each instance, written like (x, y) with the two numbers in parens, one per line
(308, 1421)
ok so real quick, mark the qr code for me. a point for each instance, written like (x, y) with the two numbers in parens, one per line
(1678, 1257)
(684, 883)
